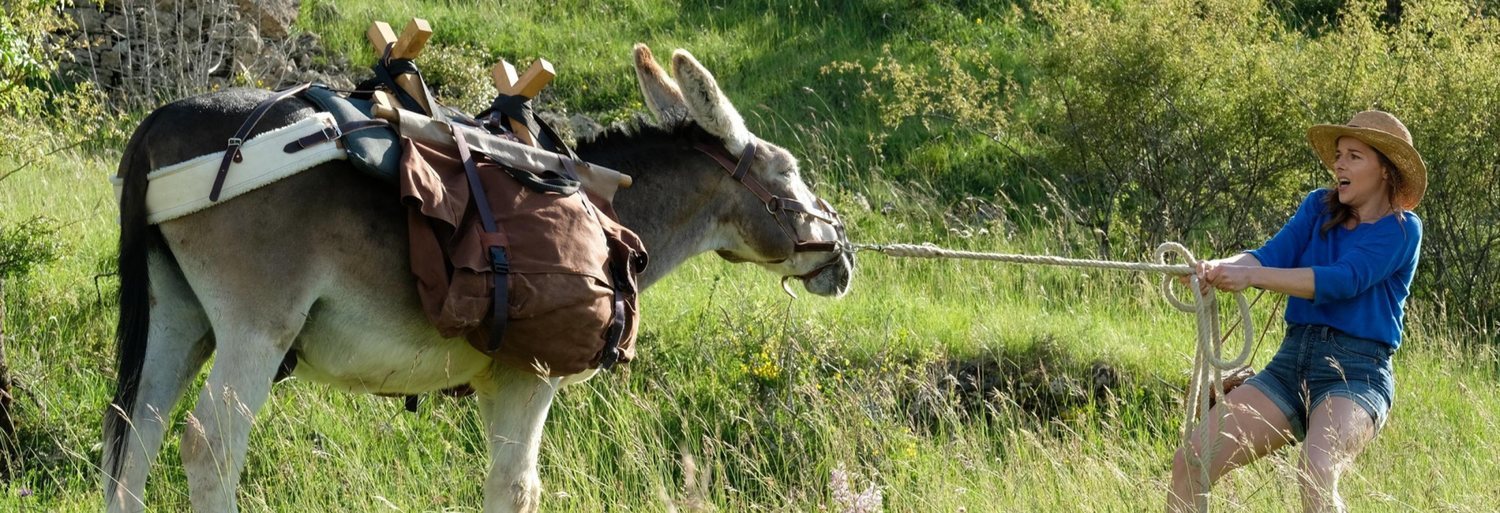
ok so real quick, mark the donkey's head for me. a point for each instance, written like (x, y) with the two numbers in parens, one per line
(776, 221)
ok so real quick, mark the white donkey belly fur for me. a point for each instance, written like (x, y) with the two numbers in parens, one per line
(351, 348)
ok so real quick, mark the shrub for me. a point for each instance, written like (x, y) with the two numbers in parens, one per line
(27, 244)
(1186, 120)
(30, 92)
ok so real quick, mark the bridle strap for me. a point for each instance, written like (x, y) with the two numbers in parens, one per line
(742, 169)
(739, 171)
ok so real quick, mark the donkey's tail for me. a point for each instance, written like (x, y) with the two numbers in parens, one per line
(136, 239)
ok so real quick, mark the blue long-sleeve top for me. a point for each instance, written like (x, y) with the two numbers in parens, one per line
(1361, 277)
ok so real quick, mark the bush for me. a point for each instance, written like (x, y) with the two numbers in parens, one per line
(30, 92)
(1186, 120)
(27, 244)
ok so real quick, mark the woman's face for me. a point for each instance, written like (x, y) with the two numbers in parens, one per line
(1360, 177)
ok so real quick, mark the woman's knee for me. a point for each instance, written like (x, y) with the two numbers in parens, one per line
(1181, 462)
(1188, 460)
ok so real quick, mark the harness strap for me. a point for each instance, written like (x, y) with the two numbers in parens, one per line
(232, 153)
(557, 144)
(387, 69)
(518, 108)
(815, 247)
(499, 262)
(333, 133)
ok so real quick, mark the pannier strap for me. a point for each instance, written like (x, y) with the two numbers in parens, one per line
(232, 155)
(619, 274)
(499, 262)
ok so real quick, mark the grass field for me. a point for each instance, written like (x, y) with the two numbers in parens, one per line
(743, 399)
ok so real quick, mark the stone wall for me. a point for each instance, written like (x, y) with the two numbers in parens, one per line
(143, 52)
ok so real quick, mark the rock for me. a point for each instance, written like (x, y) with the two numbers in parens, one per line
(584, 127)
(247, 43)
(110, 60)
(118, 24)
(86, 19)
(140, 51)
(274, 17)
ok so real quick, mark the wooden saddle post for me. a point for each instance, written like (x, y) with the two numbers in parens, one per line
(413, 39)
(528, 86)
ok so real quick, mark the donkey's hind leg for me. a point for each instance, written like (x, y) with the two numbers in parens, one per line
(177, 345)
(249, 349)
(514, 404)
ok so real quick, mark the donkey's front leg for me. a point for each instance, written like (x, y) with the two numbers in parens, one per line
(514, 404)
(213, 445)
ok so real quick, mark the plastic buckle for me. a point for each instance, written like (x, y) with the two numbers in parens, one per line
(499, 262)
(235, 142)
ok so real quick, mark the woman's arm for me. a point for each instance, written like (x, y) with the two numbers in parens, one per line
(1242, 271)
(1298, 282)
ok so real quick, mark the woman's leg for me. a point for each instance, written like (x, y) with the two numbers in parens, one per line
(1252, 427)
(1337, 430)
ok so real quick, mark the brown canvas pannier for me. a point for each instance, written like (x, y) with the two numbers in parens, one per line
(567, 266)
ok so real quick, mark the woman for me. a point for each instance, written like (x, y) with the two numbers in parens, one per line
(1345, 260)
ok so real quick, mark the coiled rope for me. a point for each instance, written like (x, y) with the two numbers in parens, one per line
(1208, 362)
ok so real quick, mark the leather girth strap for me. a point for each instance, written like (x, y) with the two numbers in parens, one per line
(232, 153)
(333, 133)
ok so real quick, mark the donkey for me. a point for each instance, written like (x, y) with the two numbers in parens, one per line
(315, 266)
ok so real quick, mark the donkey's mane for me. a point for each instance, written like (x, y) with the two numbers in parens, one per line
(638, 134)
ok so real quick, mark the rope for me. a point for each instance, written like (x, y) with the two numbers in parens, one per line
(1208, 362)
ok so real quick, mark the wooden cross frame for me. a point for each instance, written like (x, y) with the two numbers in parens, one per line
(408, 46)
(528, 85)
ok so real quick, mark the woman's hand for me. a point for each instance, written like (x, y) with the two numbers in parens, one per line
(1228, 277)
(1203, 269)
(1222, 275)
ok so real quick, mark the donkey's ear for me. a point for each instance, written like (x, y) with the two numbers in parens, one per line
(663, 97)
(708, 104)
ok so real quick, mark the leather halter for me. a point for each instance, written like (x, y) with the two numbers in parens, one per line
(779, 206)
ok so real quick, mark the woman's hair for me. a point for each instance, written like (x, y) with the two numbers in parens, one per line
(1339, 213)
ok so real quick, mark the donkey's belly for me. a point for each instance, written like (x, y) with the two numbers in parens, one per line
(385, 354)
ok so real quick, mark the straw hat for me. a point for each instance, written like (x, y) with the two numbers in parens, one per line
(1385, 133)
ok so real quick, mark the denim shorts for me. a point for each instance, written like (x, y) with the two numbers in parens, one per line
(1318, 362)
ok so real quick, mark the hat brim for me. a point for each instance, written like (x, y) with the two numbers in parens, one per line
(1324, 140)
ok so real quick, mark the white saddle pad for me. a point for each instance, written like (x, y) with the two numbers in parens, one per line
(182, 188)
